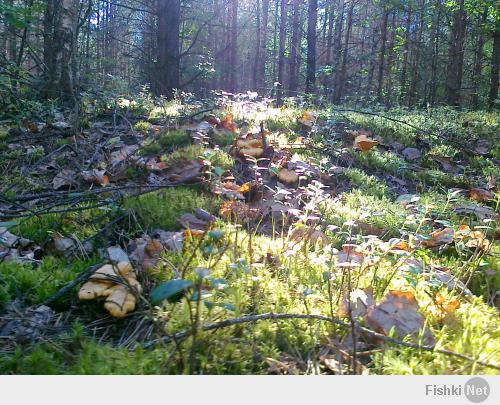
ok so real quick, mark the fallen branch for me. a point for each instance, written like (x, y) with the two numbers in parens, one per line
(272, 316)
(83, 276)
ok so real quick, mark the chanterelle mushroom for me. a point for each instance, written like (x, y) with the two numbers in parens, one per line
(115, 282)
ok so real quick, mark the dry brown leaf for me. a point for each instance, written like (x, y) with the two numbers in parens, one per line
(349, 257)
(65, 178)
(288, 176)
(480, 194)
(398, 310)
(227, 123)
(362, 142)
(313, 236)
(439, 238)
(443, 308)
(95, 176)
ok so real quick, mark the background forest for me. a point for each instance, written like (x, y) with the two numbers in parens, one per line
(408, 53)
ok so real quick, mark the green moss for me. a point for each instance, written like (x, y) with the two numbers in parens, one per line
(32, 284)
(367, 183)
(162, 208)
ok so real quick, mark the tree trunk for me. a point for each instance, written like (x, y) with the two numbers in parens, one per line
(258, 48)
(294, 80)
(412, 95)
(456, 56)
(435, 54)
(381, 59)
(281, 55)
(406, 51)
(312, 19)
(343, 69)
(495, 69)
(234, 47)
(478, 59)
(168, 65)
(263, 43)
(337, 52)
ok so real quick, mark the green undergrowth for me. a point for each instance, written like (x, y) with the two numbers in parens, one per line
(160, 209)
(241, 272)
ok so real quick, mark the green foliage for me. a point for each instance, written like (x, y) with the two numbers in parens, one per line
(160, 210)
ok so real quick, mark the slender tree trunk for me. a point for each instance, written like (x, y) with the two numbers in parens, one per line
(345, 54)
(412, 95)
(435, 54)
(281, 54)
(258, 48)
(234, 47)
(381, 60)
(293, 85)
(495, 69)
(263, 43)
(337, 51)
(168, 67)
(456, 56)
(68, 45)
(478, 59)
(312, 19)
(406, 51)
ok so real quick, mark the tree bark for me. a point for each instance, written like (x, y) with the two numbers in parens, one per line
(312, 19)
(495, 69)
(456, 56)
(295, 44)
(281, 53)
(168, 65)
(381, 60)
(345, 53)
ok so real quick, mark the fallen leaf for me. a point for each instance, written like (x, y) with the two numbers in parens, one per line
(439, 238)
(443, 308)
(480, 194)
(65, 178)
(362, 142)
(190, 221)
(398, 310)
(349, 257)
(479, 211)
(411, 153)
(227, 123)
(95, 176)
(311, 235)
(238, 210)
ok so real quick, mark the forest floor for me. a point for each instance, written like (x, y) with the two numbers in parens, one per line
(232, 237)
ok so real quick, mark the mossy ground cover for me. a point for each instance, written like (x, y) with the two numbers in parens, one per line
(257, 266)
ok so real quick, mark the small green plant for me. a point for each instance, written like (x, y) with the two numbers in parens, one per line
(142, 127)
